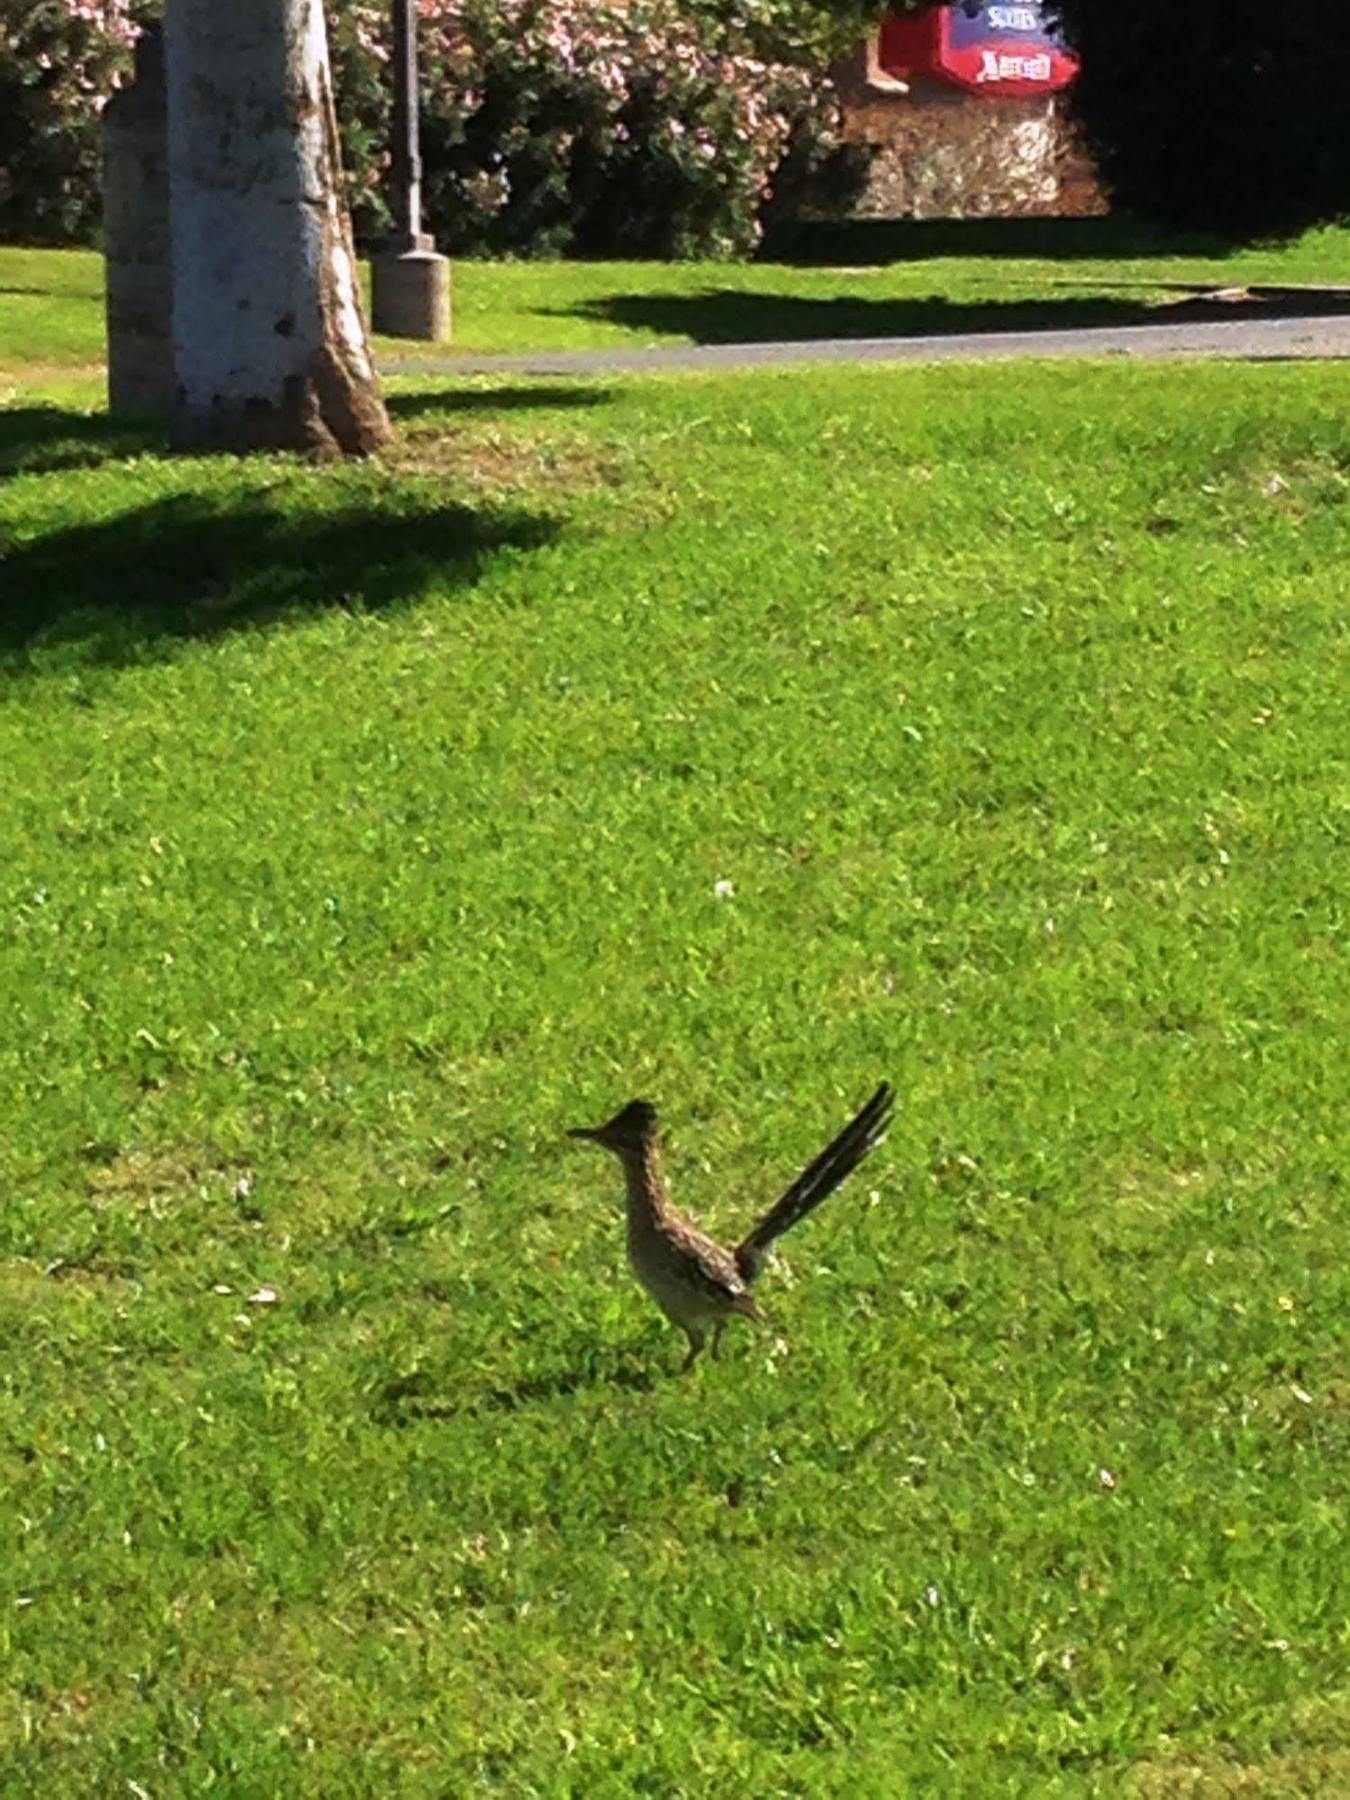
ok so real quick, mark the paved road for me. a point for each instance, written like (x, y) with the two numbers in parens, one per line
(1258, 340)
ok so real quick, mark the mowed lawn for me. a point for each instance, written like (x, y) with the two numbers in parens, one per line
(738, 743)
(863, 281)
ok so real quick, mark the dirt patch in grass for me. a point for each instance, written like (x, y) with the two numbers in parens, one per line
(500, 462)
(1307, 1772)
(153, 1180)
(16, 380)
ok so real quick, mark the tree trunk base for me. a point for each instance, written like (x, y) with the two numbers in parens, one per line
(324, 415)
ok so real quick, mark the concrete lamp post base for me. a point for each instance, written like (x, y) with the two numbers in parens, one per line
(411, 290)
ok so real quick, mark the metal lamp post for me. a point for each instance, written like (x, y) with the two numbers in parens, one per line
(407, 162)
(411, 282)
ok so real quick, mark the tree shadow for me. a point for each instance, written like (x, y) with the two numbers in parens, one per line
(128, 589)
(502, 399)
(1117, 237)
(736, 316)
(41, 440)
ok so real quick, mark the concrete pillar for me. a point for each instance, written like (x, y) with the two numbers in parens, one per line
(410, 290)
(136, 238)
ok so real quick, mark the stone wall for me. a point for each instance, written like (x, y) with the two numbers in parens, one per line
(940, 153)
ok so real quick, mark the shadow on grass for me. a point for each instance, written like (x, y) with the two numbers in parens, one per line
(879, 241)
(126, 589)
(489, 400)
(734, 316)
(42, 440)
(413, 1399)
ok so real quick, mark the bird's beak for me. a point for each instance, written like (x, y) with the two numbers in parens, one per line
(587, 1132)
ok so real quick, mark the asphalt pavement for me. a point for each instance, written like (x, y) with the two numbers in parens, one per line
(1246, 339)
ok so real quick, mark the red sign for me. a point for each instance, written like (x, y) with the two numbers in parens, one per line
(979, 46)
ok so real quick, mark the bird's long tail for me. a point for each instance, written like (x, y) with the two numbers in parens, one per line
(819, 1180)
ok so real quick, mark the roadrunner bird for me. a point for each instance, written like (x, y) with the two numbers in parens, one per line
(697, 1284)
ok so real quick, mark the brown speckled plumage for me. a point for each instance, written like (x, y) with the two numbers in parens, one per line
(695, 1281)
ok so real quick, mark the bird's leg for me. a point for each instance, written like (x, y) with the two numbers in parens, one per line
(695, 1345)
(718, 1329)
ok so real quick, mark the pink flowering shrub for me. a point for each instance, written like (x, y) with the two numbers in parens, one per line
(59, 60)
(638, 127)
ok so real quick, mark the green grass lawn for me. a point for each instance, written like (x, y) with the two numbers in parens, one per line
(971, 275)
(363, 829)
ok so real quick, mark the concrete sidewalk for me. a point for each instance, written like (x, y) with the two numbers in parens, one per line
(1259, 340)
